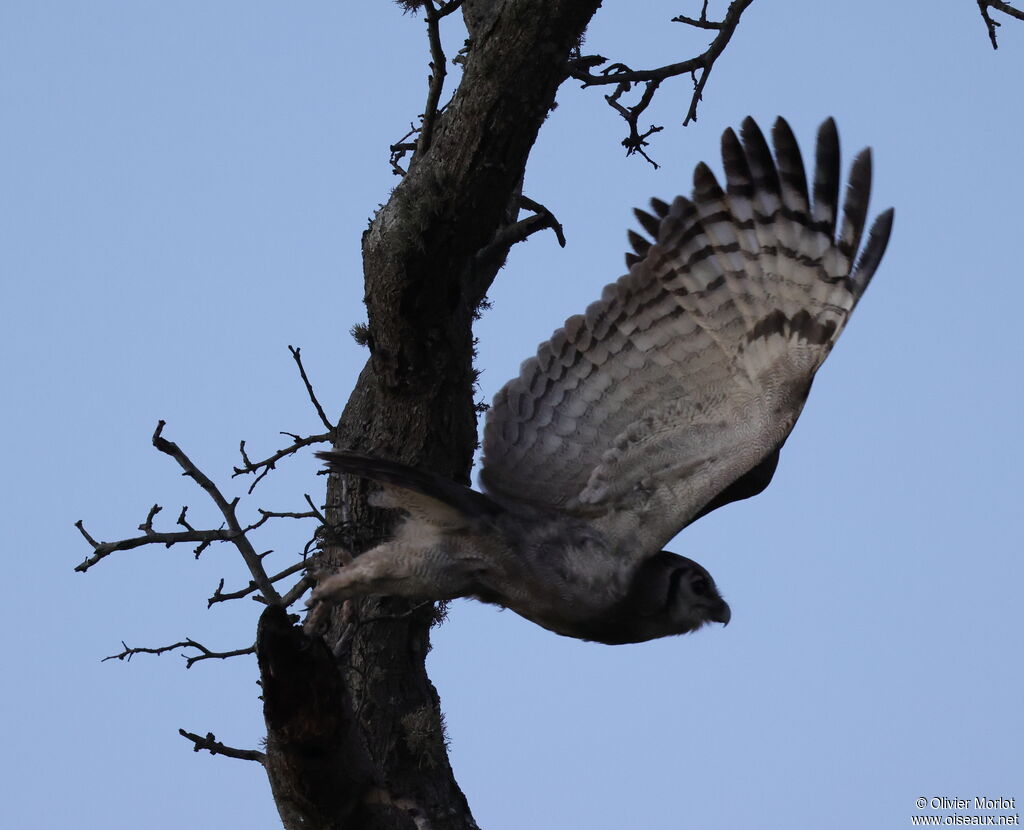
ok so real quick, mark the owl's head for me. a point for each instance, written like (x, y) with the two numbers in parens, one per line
(671, 594)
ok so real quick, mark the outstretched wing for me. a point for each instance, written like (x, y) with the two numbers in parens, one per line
(672, 394)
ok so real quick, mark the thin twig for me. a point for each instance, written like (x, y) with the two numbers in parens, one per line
(219, 594)
(624, 78)
(314, 509)
(297, 356)
(548, 218)
(272, 514)
(489, 258)
(297, 590)
(151, 537)
(620, 73)
(438, 71)
(446, 9)
(636, 141)
(699, 23)
(990, 23)
(519, 231)
(182, 521)
(267, 464)
(227, 510)
(204, 653)
(400, 148)
(215, 747)
(262, 468)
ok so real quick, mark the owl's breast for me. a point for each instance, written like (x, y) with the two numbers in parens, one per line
(562, 574)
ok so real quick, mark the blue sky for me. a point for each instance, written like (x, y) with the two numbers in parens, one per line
(184, 186)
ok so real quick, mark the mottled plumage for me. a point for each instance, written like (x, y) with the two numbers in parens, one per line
(669, 397)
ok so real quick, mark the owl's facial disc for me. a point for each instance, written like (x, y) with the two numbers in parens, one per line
(704, 590)
(693, 595)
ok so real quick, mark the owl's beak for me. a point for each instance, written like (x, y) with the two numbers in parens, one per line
(722, 614)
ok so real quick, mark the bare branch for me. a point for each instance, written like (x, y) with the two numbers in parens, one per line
(182, 521)
(232, 533)
(297, 590)
(438, 71)
(267, 464)
(315, 510)
(400, 148)
(227, 509)
(624, 78)
(700, 23)
(549, 220)
(215, 747)
(267, 515)
(271, 514)
(446, 9)
(990, 23)
(297, 356)
(636, 141)
(492, 256)
(147, 526)
(204, 652)
(151, 537)
(220, 596)
(261, 468)
(523, 229)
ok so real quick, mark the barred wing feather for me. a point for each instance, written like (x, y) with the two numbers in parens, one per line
(672, 393)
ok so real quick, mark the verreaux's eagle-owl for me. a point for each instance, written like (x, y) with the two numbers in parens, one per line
(671, 396)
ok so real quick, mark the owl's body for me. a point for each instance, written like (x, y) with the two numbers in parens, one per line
(670, 397)
(560, 573)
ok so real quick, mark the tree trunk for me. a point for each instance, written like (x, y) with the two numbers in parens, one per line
(355, 734)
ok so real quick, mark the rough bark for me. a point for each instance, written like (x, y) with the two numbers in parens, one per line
(355, 733)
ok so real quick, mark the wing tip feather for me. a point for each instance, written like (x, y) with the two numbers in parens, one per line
(874, 248)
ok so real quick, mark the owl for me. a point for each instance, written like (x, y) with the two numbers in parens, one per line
(671, 396)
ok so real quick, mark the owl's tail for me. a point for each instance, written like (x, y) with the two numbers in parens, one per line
(467, 502)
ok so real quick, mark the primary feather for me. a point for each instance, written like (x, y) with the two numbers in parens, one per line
(692, 369)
